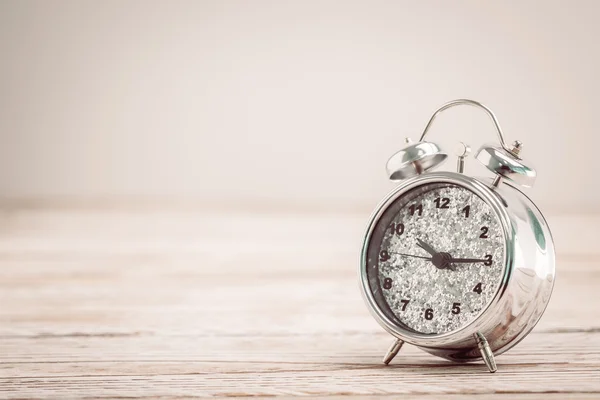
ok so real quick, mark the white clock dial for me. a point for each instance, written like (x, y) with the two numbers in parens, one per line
(435, 258)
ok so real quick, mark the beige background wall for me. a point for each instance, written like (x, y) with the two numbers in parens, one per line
(294, 103)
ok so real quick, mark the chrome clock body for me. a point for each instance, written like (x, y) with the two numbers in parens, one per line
(427, 264)
(525, 285)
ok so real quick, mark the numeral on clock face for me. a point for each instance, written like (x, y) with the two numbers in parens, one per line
(429, 314)
(387, 283)
(466, 211)
(398, 228)
(418, 208)
(484, 232)
(442, 202)
(384, 255)
(456, 308)
(404, 304)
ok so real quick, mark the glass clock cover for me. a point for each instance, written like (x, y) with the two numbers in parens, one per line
(435, 258)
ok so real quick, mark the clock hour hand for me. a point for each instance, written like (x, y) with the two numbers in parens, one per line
(426, 247)
(440, 260)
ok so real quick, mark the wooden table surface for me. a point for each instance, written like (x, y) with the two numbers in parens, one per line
(145, 303)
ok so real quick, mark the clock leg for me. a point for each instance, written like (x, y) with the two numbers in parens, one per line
(486, 352)
(393, 350)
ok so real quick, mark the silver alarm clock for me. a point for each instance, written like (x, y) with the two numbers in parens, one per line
(461, 267)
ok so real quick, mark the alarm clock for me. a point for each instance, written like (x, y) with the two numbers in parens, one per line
(461, 267)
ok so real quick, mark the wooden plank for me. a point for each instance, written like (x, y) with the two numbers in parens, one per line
(129, 297)
(190, 230)
(220, 378)
(579, 348)
(113, 303)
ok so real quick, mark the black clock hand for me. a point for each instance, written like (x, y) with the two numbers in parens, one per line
(466, 260)
(411, 255)
(426, 247)
(439, 260)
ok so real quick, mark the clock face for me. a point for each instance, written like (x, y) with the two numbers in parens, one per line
(435, 258)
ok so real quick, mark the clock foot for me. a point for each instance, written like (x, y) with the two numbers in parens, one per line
(393, 350)
(486, 352)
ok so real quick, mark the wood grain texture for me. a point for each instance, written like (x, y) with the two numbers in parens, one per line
(102, 303)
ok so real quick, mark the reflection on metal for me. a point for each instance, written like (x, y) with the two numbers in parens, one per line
(414, 160)
(505, 165)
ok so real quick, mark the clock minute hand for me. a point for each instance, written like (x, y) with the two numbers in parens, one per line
(466, 260)
(412, 255)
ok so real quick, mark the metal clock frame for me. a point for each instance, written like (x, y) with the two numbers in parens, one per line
(528, 272)
(486, 335)
(466, 331)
